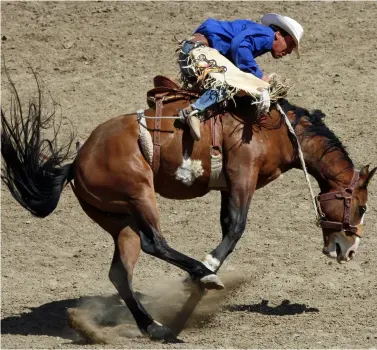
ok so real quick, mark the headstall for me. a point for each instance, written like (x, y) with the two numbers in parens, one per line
(346, 196)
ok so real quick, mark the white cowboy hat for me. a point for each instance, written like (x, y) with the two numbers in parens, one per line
(292, 27)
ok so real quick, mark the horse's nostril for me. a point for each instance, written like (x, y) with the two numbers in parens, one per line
(338, 250)
(352, 254)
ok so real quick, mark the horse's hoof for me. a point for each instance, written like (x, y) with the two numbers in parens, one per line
(173, 341)
(157, 331)
(211, 282)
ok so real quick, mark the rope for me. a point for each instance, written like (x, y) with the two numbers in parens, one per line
(140, 114)
(162, 117)
(301, 156)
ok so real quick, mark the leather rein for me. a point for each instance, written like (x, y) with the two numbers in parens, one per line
(346, 196)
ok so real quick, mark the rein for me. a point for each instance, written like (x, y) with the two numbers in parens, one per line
(301, 156)
(345, 195)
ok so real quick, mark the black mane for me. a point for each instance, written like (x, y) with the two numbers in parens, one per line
(317, 128)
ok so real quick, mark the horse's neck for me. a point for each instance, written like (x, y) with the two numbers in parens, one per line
(329, 164)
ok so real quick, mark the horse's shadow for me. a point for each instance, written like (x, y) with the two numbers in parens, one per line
(285, 308)
(51, 319)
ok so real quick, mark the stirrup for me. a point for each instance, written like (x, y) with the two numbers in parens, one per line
(183, 114)
(194, 121)
(194, 113)
(186, 113)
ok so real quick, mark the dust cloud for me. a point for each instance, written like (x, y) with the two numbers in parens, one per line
(175, 304)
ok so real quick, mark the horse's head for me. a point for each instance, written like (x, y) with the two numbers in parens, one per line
(342, 215)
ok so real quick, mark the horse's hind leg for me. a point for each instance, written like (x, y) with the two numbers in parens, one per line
(127, 250)
(126, 253)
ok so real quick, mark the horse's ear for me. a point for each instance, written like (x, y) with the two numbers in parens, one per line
(366, 176)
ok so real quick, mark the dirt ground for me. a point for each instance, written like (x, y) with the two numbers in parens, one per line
(98, 60)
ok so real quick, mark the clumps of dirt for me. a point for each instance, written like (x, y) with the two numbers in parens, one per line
(210, 303)
(100, 320)
(176, 304)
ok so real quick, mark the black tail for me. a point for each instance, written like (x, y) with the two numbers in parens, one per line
(33, 168)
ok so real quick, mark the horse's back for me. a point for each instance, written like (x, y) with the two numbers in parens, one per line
(114, 137)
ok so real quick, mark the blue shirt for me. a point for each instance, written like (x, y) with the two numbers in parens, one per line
(240, 41)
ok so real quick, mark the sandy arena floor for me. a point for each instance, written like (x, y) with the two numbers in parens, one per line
(98, 60)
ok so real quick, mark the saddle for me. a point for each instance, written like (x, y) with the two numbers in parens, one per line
(166, 90)
(169, 91)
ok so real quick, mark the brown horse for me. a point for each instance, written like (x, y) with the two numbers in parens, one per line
(116, 185)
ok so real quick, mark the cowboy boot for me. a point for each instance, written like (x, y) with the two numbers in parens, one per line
(194, 124)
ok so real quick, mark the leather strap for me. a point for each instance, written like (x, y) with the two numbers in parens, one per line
(339, 226)
(216, 132)
(333, 195)
(346, 196)
(355, 178)
(157, 134)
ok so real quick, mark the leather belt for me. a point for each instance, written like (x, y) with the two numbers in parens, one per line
(156, 133)
(216, 131)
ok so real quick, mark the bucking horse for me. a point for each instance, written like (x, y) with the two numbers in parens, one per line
(117, 172)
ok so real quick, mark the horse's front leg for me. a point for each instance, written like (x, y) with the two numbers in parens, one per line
(234, 208)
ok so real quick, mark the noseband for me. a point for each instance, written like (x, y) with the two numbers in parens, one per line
(346, 196)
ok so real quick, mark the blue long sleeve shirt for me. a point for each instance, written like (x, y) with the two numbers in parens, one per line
(240, 41)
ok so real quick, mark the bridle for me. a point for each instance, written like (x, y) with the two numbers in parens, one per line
(346, 196)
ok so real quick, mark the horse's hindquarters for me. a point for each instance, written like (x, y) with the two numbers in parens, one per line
(110, 169)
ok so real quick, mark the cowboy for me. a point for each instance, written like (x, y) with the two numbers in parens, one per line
(222, 54)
